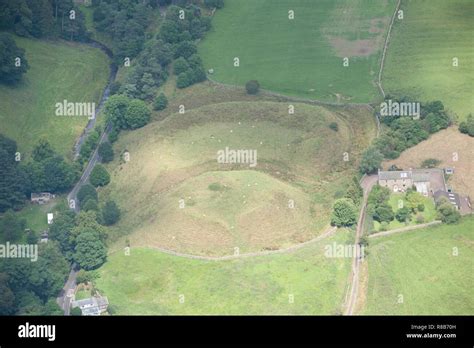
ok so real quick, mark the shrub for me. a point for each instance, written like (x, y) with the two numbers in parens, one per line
(467, 127)
(113, 135)
(252, 87)
(334, 126)
(430, 163)
(86, 276)
(115, 87)
(90, 204)
(76, 311)
(384, 212)
(99, 176)
(384, 226)
(161, 102)
(106, 152)
(446, 212)
(214, 3)
(403, 214)
(419, 219)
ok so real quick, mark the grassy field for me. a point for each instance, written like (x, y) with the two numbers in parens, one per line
(421, 266)
(303, 56)
(429, 214)
(36, 215)
(299, 158)
(150, 282)
(58, 71)
(423, 44)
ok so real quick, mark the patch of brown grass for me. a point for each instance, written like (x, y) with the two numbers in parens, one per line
(445, 146)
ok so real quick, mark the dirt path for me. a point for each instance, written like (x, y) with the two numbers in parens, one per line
(367, 182)
(385, 46)
(326, 234)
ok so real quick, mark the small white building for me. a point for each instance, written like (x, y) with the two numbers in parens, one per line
(95, 305)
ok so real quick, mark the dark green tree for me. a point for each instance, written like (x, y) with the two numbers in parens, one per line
(11, 226)
(7, 297)
(91, 252)
(252, 87)
(110, 213)
(403, 214)
(86, 192)
(99, 176)
(383, 212)
(49, 272)
(371, 161)
(344, 213)
(13, 63)
(106, 152)
(138, 114)
(12, 179)
(446, 212)
(161, 102)
(61, 231)
(116, 109)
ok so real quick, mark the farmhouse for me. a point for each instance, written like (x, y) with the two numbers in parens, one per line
(400, 181)
(92, 306)
(41, 197)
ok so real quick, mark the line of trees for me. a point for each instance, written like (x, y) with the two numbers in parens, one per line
(345, 210)
(46, 171)
(44, 19)
(12, 60)
(467, 127)
(402, 133)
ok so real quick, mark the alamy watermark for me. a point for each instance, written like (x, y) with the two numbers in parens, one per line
(66, 108)
(230, 156)
(336, 250)
(394, 108)
(19, 251)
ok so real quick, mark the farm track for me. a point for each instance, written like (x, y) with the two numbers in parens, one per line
(367, 182)
(405, 229)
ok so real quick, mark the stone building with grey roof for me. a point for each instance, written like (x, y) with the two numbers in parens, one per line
(402, 180)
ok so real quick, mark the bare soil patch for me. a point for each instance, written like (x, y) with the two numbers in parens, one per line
(353, 48)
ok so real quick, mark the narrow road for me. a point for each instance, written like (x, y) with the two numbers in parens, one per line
(64, 299)
(87, 171)
(367, 182)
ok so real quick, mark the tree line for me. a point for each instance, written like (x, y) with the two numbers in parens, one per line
(43, 19)
(403, 132)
